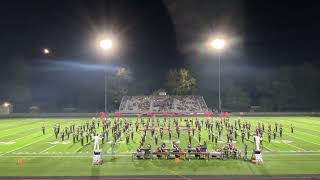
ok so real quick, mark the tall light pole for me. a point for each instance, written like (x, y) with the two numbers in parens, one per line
(106, 45)
(218, 44)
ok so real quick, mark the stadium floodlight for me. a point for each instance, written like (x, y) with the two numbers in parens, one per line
(106, 44)
(46, 51)
(6, 104)
(217, 43)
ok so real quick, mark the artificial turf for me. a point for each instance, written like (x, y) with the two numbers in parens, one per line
(25, 151)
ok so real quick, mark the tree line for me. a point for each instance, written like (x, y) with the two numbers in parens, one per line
(289, 88)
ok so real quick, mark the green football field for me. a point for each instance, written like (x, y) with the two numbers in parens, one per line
(25, 151)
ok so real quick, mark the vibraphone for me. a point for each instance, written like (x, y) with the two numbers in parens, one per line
(199, 155)
(181, 154)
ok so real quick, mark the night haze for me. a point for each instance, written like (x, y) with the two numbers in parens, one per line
(153, 37)
(159, 89)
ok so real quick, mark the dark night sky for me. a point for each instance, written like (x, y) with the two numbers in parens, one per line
(283, 32)
(69, 27)
(269, 30)
(155, 35)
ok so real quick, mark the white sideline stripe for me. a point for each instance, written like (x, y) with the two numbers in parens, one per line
(179, 177)
(25, 145)
(291, 151)
(48, 148)
(292, 154)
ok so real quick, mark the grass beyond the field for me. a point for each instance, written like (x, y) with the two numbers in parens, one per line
(24, 151)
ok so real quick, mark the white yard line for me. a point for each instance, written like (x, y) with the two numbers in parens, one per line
(16, 133)
(295, 146)
(303, 127)
(299, 121)
(20, 126)
(89, 143)
(23, 136)
(303, 140)
(307, 129)
(116, 143)
(49, 148)
(25, 145)
(25, 131)
(268, 148)
(194, 137)
(307, 133)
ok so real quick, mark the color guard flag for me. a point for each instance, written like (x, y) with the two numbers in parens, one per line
(164, 114)
(102, 115)
(117, 114)
(139, 115)
(208, 113)
(224, 114)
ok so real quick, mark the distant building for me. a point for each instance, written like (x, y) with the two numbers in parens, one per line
(162, 93)
(6, 108)
(255, 108)
(34, 109)
(70, 108)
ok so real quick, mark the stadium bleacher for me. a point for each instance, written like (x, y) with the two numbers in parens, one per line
(159, 104)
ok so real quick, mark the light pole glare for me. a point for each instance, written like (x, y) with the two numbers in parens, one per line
(218, 43)
(6, 104)
(106, 44)
(46, 51)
